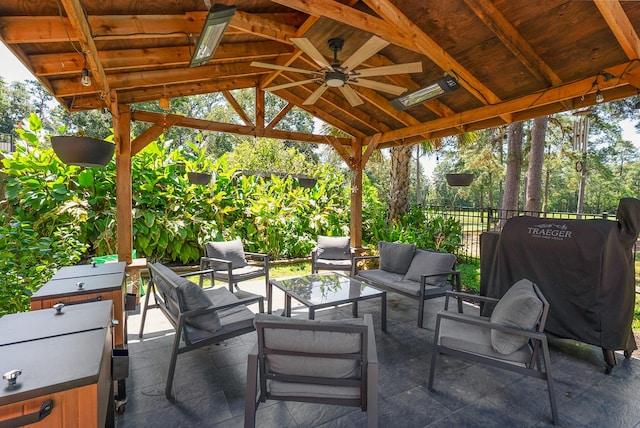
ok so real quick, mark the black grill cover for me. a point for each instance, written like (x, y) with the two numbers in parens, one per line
(584, 268)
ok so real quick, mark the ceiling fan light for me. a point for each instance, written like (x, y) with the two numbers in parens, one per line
(214, 27)
(335, 79)
(433, 90)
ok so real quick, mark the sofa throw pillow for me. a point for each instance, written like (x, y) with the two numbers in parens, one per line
(427, 262)
(519, 307)
(395, 257)
(227, 250)
(334, 247)
(194, 297)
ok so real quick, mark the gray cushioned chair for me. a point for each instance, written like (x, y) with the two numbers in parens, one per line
(316, 361)
(512, 338)
(332, 253)
(228, 262)
(200, 316)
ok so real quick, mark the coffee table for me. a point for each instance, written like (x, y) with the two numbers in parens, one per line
(318, 291)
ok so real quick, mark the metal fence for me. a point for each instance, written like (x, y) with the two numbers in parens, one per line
(474, 221)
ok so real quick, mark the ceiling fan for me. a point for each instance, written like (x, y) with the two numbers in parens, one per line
(341, 75)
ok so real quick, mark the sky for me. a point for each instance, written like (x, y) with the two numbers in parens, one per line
(13, 70)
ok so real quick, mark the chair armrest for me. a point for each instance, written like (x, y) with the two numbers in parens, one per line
(358, 258)
(469, 296)
(256, 255)
(372, 352)
(487, 324)
(229, 263)
(199, 272)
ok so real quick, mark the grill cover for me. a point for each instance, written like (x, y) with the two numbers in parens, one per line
(585, 269)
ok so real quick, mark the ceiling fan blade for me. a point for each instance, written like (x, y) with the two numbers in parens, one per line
(350, 95)
(315, 95)
(378, 86)
(281, 67)
(412, 67)
(373, 45)
(290, 84)
(308, 48)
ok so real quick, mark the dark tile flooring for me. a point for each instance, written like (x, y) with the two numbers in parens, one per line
(209, 383)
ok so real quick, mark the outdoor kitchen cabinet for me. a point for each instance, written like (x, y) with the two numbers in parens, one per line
(63, 356)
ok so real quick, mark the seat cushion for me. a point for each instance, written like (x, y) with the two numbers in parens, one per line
(395, 257)
(334, 247)
(427, 262)
(227, 250)
(520, 307)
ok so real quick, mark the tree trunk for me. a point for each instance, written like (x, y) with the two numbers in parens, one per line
(399, 188)
(512, 175)
(536, 159)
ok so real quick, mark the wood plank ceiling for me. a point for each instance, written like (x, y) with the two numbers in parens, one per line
(514, 60)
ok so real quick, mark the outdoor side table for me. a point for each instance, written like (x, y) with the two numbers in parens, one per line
(99, 282)
(318, 291)
(65, 364)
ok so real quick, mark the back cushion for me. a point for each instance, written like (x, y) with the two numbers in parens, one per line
(194, 298)
(519, 307)
(430, 262)
(327, 342)
(227, 250)
(334, 247)
(395, 257)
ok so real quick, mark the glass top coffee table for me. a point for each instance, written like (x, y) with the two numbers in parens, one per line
(318, 291)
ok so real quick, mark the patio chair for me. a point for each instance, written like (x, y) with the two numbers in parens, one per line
(227, 262)
(328, 362)
(332, 253)
(512, 338)
(200, 316)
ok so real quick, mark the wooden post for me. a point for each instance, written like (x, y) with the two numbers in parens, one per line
(122, 135)
(356, 166)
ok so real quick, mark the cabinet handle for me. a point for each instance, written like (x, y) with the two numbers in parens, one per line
(31, 418)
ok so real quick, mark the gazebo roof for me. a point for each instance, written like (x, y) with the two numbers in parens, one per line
(513, 60)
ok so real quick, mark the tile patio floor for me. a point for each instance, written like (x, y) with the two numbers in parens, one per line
(209, 382)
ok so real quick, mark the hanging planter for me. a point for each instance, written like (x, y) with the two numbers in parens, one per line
(82, 151)
(306, 182)
(201, 178)
(459, 180)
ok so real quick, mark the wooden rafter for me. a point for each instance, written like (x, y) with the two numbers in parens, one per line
(281, 114)
(620, 26)
(238, 108)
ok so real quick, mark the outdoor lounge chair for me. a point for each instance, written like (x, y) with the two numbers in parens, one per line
(329, 362)
(200, 316)
(511, 339)
(332, 253)
(227, 261)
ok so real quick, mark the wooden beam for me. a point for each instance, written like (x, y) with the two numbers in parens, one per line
(579, 89)
(620, 26)
(281, 114)
(259, 123)
(78, 20)
(262, 27)
(209, 125)
(151, 133)
(507, 33)
(237, 107)
(125, 59)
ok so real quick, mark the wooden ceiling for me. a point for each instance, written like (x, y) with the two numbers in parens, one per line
(514, 60)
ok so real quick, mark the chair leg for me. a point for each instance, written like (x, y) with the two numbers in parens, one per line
(434, 354)
(372, 396)
(251, 392)
(420, 311)
(174, 358)
(144, 308)
(547, 370)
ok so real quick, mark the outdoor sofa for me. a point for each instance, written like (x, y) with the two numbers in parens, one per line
(415, 273)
